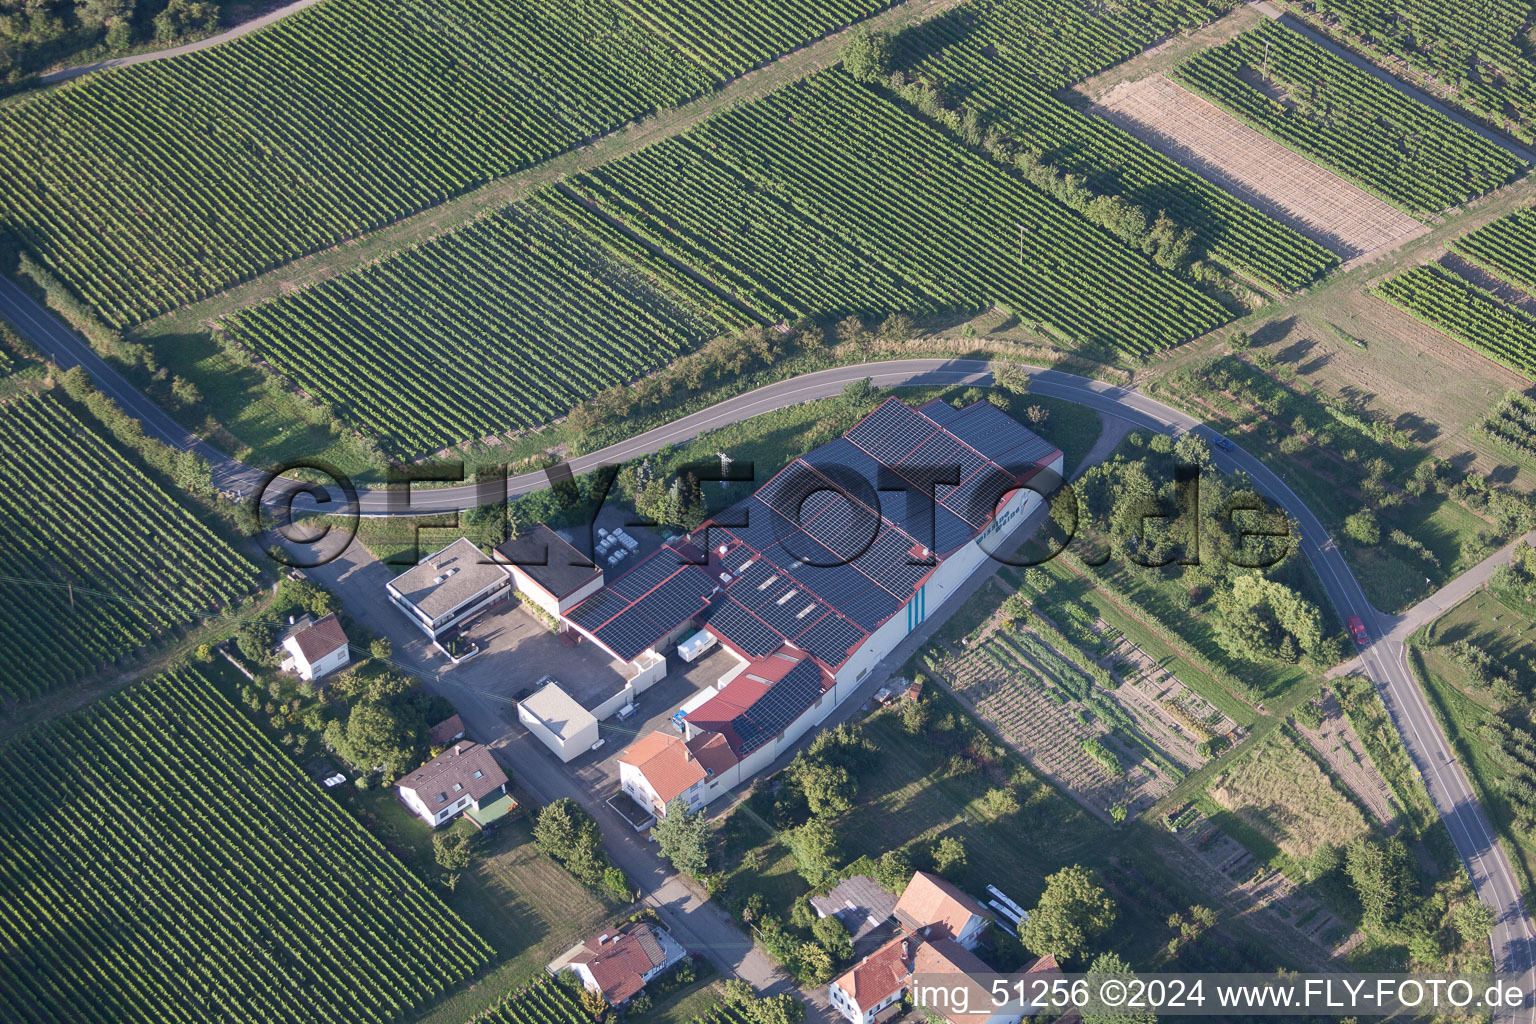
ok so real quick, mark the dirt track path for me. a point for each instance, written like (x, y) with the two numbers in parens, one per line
(244, 28)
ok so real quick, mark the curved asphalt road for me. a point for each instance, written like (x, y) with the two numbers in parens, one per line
(1384, 660)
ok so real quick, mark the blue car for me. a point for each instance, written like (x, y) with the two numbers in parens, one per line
(1223, 443)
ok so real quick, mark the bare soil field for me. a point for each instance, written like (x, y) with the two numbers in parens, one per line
(1256, 169)
(1336, 743)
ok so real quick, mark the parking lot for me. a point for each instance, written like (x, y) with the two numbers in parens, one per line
(517, 650)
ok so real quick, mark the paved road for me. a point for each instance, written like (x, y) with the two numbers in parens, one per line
(245, 27)
(1384, 660)
(1454, 592)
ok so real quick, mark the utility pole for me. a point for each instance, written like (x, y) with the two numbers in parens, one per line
(725, 468)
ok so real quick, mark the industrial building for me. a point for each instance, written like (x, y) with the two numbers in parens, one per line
(814, 579)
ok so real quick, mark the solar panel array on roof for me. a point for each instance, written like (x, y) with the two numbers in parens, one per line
(844, 453)
(871, 607)
(830, 638)
(950, 531)
(814, 540)
(743, 629)
(597, 609)
(647, 574)
(891, 431)
(628, 635)
(833, 584)
(939, 411)
(764, 526)
(891, 561)
(999, 436)
(785, 701)
(684, 595)
(976, 499)
(737, 556)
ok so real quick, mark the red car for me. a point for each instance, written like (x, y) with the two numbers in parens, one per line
(1357, 630)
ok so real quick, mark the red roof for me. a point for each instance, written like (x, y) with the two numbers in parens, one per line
(930, 900)
(619, 960)
(716, 714)
(320, 639)
(666, 762)
(445, 732)
(878, 975)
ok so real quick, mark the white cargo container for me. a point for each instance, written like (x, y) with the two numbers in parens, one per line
(691, 648)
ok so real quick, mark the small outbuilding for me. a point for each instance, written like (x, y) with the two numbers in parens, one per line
(559, 721)
(859, 902)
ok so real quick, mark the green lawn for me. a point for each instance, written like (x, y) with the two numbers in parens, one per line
(521, 902)
(1324, 449)
(910, 801)
(1464, 709)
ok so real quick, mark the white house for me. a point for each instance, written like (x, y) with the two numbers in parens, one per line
(465, 777)
(449, 587)
(660, 768)
(619, 963)
(315, 648)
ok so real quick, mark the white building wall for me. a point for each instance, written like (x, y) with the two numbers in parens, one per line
(579, 742)
(579, 595)
(533, 593)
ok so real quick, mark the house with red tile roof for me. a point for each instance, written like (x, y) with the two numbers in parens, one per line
(929, 900)
(618, 963)
(315, 648)
(940, 925)
(661, 767)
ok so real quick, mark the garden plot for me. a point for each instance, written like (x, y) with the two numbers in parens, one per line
(1276, 180)
(1257, 886)
(1045, 709)
(1178, 718)
(1335, 741)
(1280, 792)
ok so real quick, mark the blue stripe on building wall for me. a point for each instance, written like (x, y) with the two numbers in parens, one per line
(917, 608)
